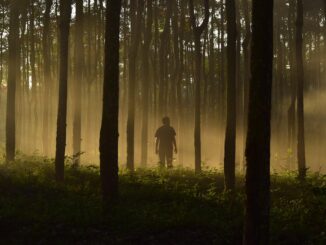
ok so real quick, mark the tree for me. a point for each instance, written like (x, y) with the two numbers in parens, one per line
(300, 87)
(163, 60)
(65, 12)
(136, 8)
(230, 134)
(47, 75)
(110, 115)
(12, 79)
(246, 58)
(197, 32)
(146, 48)
(292, 58)
(256, 229)
(324, 32)
(79, 65)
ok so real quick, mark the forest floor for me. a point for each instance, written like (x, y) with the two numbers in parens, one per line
(155, 207)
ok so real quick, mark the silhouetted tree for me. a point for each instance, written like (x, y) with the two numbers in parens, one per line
(65, 12)
(47, 76)
(145, 84)
(12, 80)
(246, 70)
(300, 87)
(136, 8)
(230, 134)
(197, 32)
(256, 229)
(78, 81)
(293, 81)
(163, 52)
(110, 115)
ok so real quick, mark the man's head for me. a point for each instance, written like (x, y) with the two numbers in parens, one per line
(166, 121)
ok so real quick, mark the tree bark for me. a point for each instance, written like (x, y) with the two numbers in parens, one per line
(246, 54)
(78, 81)
(163, 53)
(300, 87)
(110, 115)
(230, 135)
(12, 80)
(136, 8)
(256, 230)
(33, 101)
(292, 107)
(146, 83)
(47, 77)
(65, 12)
(197, 32)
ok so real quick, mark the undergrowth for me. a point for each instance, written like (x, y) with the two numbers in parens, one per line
(155, 207)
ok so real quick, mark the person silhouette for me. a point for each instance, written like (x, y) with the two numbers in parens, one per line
(165, 141)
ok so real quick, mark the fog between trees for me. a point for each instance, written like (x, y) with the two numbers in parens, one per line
(164, 73)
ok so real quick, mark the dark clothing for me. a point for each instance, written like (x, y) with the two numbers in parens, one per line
(166, 156)
(165, 136)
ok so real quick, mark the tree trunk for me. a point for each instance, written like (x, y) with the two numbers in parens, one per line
(65, 12)
(78, 81)
(12, 79)
(136, 8)
(197, 31)
(324, 36)
(47, 77)
(33, 102)
(246, 54)
(110, 115)
(163, 53)
(230, 135)
(291, 109)
(146, 84)
(300, 87)
(256, 229)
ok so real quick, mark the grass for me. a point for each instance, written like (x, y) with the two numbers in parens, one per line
(155, 207)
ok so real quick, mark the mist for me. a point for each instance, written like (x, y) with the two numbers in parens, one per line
(162, 74)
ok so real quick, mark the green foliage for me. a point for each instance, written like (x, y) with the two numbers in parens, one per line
(155, 207)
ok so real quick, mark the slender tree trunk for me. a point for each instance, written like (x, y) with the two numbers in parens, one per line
(222, 78)
(65, 12)
(13, 60)
(197, 31)
(146, 83)
(47, 77)
(163, 53)
(109, 135)
(300, 88)
(230, 135)
(324, 36)
(256, 229)
(179, 91)
(246, 48)
(291, 110)
(78, 81)
(136, 15)
(1, 46)
(33, 105)
(2, 73)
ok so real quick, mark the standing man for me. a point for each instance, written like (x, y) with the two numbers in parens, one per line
(165, 141)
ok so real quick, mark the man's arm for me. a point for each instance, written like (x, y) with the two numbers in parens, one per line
(175, 145)
(157, 142)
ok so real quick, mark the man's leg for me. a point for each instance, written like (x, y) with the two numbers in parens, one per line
(169, 157)
(162, 158)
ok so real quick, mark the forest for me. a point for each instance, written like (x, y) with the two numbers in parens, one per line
(162, 122)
